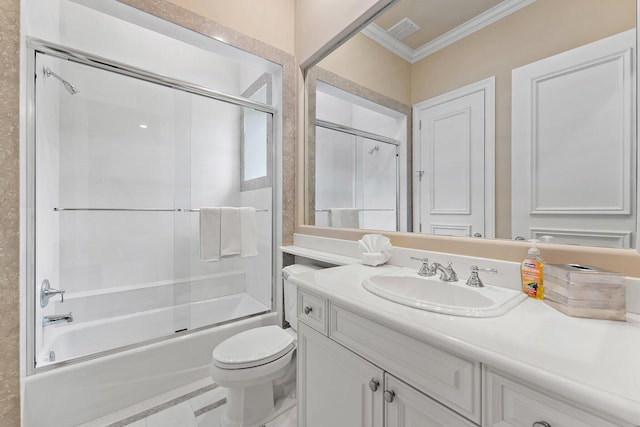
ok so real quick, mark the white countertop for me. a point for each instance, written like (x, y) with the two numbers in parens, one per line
(323, 256)
(595, 363)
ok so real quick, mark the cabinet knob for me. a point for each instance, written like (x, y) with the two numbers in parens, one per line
(374, 384)
(389, 395)
(541, 424)
(307, 310)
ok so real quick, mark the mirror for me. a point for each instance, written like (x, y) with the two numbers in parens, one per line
(511, 119)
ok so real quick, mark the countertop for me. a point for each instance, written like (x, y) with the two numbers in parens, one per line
(594, 363)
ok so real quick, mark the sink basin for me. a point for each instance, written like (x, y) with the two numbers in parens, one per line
(431, 294)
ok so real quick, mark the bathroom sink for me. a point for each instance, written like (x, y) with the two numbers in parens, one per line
(453, 298)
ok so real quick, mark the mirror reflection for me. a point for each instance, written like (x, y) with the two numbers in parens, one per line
(508, 119)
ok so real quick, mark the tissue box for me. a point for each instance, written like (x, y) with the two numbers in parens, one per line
(583, 291)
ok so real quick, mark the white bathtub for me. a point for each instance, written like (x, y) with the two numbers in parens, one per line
(79, 392)
(69, 340)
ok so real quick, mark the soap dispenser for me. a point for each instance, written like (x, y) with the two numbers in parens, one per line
(531, 270)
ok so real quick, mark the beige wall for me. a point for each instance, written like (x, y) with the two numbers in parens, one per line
(545, 28)
(364, 61)
(269, 21)
(9, 213)
(321, 24)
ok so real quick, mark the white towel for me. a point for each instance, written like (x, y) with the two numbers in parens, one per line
(230, 240)
(375, 248)
(344, 218)
(248, 234)
(210, 234)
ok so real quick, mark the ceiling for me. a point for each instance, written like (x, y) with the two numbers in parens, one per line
(441, 22)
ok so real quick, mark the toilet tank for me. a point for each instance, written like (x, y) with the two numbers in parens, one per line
(290, 291)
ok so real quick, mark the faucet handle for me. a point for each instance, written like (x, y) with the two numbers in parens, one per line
(424, 268)
(474, 280)
(451, 273)
(46, 292)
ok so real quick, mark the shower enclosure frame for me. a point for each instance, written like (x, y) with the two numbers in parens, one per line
(36, 46)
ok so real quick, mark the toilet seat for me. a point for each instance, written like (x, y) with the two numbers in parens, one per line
(253, 347)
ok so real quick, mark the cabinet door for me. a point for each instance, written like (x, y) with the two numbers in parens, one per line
(333, 384)
(407, 407)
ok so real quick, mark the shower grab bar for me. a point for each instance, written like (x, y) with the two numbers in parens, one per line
(136, 210)
(360, 210)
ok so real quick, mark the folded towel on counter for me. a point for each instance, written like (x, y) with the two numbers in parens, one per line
(344, 218)
(248, 235)
(210, 234)
(230, 239)
(375, 248)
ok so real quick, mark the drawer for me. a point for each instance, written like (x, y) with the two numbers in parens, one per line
(450, 379)
(510, 403)
(312, 310)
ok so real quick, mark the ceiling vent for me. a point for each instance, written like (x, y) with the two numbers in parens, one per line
(403, 28)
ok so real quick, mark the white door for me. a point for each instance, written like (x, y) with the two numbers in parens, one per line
(333, 384)
(573, 136)
(407, 407)
(455, 144)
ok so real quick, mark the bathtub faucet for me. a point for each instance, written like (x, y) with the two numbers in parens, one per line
(57, 318)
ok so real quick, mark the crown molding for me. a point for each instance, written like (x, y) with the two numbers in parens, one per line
(477, 23)
(380, 36)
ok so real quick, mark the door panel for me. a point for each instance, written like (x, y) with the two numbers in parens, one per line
(333, 384)
(452, 156)
(410, 408)
(572, 145)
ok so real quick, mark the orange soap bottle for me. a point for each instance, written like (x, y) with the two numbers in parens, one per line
(531, 270)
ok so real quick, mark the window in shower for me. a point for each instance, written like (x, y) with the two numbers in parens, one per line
(256, 165)
(121, 167)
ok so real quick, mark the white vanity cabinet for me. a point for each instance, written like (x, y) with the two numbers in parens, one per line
(349, 369)
(355, 372)
(338, 388)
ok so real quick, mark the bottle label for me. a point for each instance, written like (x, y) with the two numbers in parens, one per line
(532, 278)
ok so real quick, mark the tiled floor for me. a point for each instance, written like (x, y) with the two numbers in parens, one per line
(200, 404)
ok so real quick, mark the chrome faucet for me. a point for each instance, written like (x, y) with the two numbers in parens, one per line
(447, 273)
(425, 270)
(474, 280)
(57, 318)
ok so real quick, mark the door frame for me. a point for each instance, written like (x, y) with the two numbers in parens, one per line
(487, 86)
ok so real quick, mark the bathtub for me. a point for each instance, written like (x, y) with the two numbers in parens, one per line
(78, 392)
(69, 341)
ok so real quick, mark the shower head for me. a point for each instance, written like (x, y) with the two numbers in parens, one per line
(68, 86)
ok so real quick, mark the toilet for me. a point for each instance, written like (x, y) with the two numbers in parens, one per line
(258, 365)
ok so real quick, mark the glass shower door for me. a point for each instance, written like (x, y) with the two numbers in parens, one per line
(106, 160)
(377, 184)
(356, 173)
(122, 168)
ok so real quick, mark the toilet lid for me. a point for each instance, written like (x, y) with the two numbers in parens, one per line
(253, 347)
